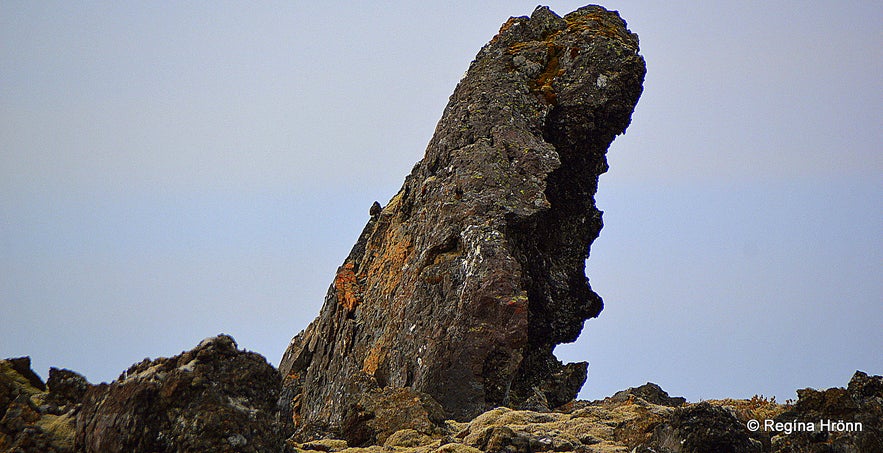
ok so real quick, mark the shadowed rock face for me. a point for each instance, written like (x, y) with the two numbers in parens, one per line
(462, 285)
(214, 397)
(856, 412)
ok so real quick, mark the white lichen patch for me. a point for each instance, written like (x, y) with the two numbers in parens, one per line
(602, 81)
(242, 405)
(152, 373)
(189, 366)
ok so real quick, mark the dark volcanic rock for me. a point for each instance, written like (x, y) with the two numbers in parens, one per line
(462, 285)
(212, 398)
(702, 428)
(856, 413)
(32, 418)
(835, 420)
(66, 387)
(651, 393)
(380, 413)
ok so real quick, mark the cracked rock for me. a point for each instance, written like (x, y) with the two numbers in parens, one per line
(461, 286)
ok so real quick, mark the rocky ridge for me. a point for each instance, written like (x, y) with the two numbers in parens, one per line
(218, 398)
(647, 420)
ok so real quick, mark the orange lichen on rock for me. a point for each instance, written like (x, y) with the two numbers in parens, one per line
(347, 287)
(385, 270)
(372, 361)
(600, 23)
(388, 253)
(433, 297)
(543, 84)
(507, 25)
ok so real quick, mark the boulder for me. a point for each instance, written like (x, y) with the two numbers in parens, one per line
(212, 398)
(651, 393)
(381, 413)
(702, 428)
(461, 286)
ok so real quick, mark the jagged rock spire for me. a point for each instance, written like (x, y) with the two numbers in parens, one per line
(462, 285)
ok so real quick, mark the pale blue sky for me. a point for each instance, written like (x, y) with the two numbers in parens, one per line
(170, 171)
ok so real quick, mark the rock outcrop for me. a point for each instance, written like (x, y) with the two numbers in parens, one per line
(437, 333)
(212, 398)
(854, 418)
(646, 420)
(601, 426)
(38, 417)
(217, 398)
(649, 392)
(702, 427)
(462, 285)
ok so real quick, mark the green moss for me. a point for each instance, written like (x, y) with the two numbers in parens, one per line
(8, 374)
(60, 427)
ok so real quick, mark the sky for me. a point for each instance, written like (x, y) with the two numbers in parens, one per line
(171, 171)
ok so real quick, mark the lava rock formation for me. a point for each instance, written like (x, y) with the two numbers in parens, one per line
(214, 397)
(462, 285)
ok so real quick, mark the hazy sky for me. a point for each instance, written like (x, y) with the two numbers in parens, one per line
(173, 170)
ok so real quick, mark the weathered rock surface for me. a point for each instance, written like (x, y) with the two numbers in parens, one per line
(616, 424)
(212, 398)
(722, 426)
(206, 414)
(702, 428)
(38, 417)
(629, 423)
(381, 413)
(601, 426)
(462, 285)
(651, 393)
(856, 411)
